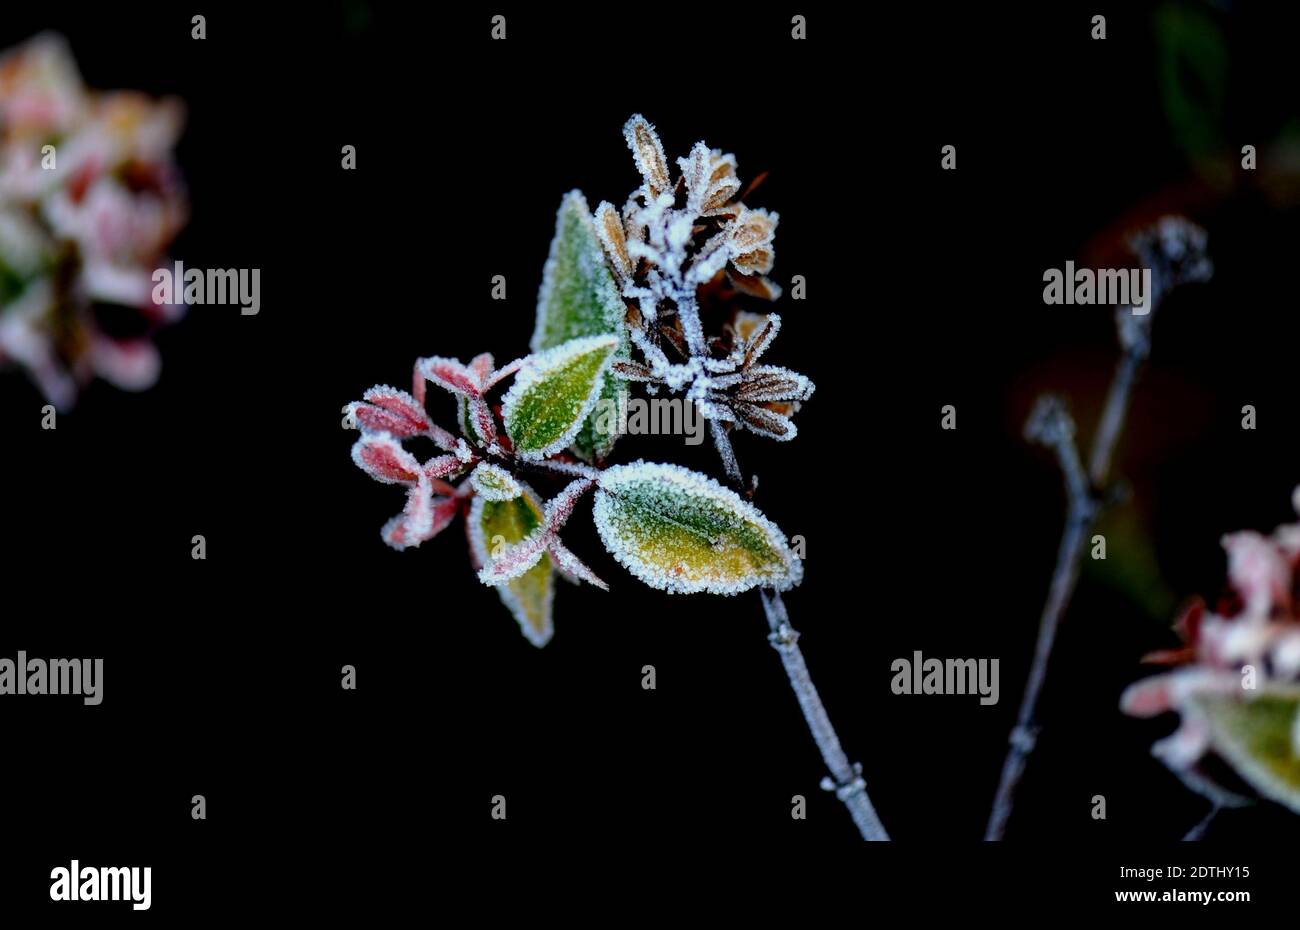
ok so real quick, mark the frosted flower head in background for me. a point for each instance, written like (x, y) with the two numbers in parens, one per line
(83, 224)
(1236, 683)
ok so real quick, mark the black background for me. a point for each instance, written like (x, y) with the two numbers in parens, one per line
(222, 676)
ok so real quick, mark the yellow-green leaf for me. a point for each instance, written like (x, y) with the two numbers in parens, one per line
(682, 532)
(554, 392)
(495, 525)
(1258, 737)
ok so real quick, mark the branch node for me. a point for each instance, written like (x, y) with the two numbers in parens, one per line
(783, 637)
(846, 790)
(1023, 738)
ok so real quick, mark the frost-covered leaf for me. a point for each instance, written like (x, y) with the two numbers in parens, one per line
(554, 392)
(466, 421)
(579, 297)
(648, 152)
(697, 169)
(497, 524)
(382, 457)
(682, 532)
(494, 483)
(450, 375)
(609, 228)
(442, 466)
(723, 183)
(1258, 737)
(560, 507)
(508, 562)
(426, 514)
(757, 331)
(766, 422)
(751, 241)
(388, 410)
(764, 383)
(752, 230)
(571, 567)
(424, 517)
(755, 286)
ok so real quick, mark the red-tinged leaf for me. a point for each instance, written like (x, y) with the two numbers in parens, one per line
(403, 410)
(418, 382)
(493, 524)
(513, 560)
(443, 489)
(485, 424)
(502, 373)
(1147, 698)
(560, 507)
(473, 538)
(441, 438)
(481, 366)
(444, 511)
(573, 568)
(1169, 656)
(442, 466)
(423, 518)
(450, 375)
(382, 457)
(753, 185)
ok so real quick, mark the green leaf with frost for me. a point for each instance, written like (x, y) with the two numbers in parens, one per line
(494, 483)
(554, 392)
(467, 427)
(682, 532)
(1260, 738)
(579, 298)
(497, 524)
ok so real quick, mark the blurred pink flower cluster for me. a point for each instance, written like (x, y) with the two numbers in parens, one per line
(90, 201)
(1245, 650)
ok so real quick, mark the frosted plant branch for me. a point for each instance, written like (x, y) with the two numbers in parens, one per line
(845, 778)
(1174, 250)
(622, 299)
(1050, 424)
(722, 442)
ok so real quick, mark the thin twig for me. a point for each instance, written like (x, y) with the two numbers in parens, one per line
(1050, 424)
(845, 779)
(1173, 251)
